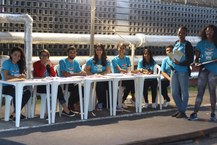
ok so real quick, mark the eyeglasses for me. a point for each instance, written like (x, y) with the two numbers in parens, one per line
(44, 55)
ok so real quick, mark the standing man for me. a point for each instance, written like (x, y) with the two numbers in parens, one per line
(180, 74)
(70, 67)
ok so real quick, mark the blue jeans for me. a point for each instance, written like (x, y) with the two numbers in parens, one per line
(205, 77)
(179, 82)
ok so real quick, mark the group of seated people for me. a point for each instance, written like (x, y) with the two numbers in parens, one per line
(14, 68)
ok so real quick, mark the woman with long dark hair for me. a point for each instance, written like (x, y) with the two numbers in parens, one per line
(146, 66)
(14, 69)
(98, 64)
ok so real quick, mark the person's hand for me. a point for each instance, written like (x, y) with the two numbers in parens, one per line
(48, 62)
(22, 76)
(83, 73)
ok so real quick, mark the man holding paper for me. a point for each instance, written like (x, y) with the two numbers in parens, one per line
(182, 57)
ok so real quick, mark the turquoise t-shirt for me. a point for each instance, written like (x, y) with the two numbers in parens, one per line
(98, 67)
(165, 65)
(147, 66)
(122, 63)
(180, 47)
(70, 67)
(208, 51)
(12, 69)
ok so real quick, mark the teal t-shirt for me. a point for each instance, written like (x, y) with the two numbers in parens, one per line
(147, 66)
(122, 63)
(70, 67)
(98, 67)
(208, 51)
(12, 69)
(165, 65)
(180, 47)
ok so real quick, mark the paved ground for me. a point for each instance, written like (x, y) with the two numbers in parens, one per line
(150, 127)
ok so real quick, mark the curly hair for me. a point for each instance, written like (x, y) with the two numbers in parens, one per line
(214, 37)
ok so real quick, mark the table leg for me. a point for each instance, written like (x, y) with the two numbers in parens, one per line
(19, 96)
(141, 86)
(115, 93)
(48, 103)
(54, 100)
(86, 97)
(81, 102)
(110, 98)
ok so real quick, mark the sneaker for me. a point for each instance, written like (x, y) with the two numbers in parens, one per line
(70, 114)
(22, 117)
(146, 105)
(124, 106)
(175, 114)
(154, 105)
(193, 117)
(181, 115)
(166, 103)
(99, 106)
(212, 117)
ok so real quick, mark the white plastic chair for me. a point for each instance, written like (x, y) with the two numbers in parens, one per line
(157, 70)
(8, 103)
(43, 103)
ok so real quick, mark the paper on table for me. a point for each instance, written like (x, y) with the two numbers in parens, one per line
(176, 55)
(207, 62)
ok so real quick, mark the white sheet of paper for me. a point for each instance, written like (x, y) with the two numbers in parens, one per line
(176, 55)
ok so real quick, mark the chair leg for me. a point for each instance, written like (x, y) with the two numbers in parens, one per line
(34, 98)
(43, 106)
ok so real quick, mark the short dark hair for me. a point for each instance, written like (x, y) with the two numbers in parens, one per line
(71, 48)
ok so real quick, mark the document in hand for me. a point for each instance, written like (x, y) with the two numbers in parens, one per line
(206, 62)
(176, 55)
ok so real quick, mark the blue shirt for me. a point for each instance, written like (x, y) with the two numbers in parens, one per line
(122, 63)
(98, 67)
(70, 67)
(180, 47)
(208, 51)
(12, 69)
(147, 66)
(165, 65)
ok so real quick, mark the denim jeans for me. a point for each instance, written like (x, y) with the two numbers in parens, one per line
(205, 77)
(179, 82)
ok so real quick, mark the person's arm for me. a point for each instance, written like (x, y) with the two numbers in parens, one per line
(189, 55)
(165, 75)
(87, 68)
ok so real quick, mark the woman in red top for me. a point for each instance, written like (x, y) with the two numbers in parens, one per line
(44, 68)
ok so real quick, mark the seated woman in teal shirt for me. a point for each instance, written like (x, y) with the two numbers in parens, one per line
(98, 64)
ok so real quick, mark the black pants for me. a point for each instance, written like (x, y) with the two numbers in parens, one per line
(164, 89)
(10, 90)
(153, 84)
(129, 87)
(74, 95)
(101, 88)
(60, 96)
